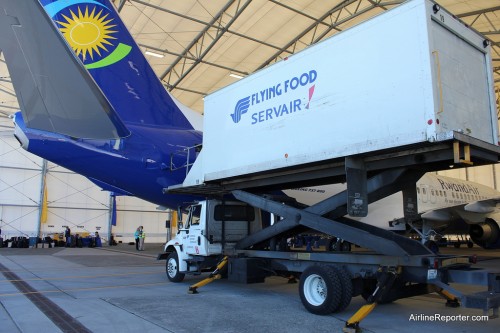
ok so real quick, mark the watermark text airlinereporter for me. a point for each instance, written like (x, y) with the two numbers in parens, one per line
(446, 318)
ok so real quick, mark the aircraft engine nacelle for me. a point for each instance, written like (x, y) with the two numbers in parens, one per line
(486, 234)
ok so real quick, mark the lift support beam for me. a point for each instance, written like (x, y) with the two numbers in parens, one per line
(377, 239)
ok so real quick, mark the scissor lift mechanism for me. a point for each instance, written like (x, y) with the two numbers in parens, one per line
(369, 177)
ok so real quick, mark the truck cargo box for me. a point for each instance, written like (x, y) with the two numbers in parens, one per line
(412, 74)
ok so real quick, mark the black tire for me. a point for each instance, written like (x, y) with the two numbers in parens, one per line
(346, 246)
(331, 245)
(470, 245)
(457, 245)
(347, 289)
(320, 289)
(172, 268)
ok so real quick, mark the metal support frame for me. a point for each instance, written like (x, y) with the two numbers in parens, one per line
(357, 193)
(111, 216)
(212, 32)
(377, 239)
(457, 154)
(336, 18)
(424, 157)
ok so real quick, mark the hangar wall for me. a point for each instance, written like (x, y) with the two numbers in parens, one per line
(72, 200)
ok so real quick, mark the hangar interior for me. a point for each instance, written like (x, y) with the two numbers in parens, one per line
(195, 47)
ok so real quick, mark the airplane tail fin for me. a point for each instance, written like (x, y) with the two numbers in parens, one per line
(121, 89)
(98, 36)
(54, 91)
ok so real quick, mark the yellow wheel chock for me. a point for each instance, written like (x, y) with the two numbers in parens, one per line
(352, 324)
(389, 275)
(215, 275)
(451, 300)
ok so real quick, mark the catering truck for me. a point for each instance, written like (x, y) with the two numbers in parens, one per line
(376, 106)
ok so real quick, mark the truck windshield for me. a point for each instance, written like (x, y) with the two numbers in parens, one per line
(234, 213)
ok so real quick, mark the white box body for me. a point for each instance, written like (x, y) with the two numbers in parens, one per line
(406, 76)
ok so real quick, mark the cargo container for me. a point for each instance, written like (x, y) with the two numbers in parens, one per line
(412, 74)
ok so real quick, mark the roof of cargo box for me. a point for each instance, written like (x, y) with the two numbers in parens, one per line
(197, 47)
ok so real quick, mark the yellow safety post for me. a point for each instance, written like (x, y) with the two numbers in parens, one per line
(215, 275)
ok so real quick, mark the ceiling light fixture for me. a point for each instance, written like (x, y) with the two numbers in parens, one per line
(235, 76)
(157, 55)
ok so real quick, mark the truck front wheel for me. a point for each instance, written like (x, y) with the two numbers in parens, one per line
(172, 268)
(319, 289)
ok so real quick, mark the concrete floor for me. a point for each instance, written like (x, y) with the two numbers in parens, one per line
(118, 289)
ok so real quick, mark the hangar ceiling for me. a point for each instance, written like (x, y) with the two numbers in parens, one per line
(199, 46)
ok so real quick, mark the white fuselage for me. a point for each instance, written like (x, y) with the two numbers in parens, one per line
(434, 192)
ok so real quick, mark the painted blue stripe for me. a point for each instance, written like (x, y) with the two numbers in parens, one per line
(55, 7)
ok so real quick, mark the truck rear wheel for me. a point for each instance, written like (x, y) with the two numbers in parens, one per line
(347, 289)
(172, 268)
(320, 289)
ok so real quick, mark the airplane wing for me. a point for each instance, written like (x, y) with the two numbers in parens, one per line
(486, 206)
(439, 215)
(483, 206)
(444, 218)
(42, 66)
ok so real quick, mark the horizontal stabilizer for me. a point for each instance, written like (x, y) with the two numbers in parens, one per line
(54, 90)
(110, 188)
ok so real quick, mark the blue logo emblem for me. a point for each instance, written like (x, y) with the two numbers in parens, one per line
(277, 100)
(240, 108)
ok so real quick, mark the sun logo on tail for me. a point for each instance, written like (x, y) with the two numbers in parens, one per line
(88, 33)
(91, 33)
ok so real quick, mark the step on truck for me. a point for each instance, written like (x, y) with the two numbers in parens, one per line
(376, 106)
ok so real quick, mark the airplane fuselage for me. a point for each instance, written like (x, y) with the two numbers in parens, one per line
(138, 165)
(435, 193)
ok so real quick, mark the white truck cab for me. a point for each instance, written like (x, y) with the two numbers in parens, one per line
(211, 227)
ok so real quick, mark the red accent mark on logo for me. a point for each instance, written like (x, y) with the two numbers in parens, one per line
(429, 121)
(311, 92)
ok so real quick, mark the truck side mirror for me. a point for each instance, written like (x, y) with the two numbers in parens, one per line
(179, 215)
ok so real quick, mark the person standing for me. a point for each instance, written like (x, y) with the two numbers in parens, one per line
(136, 236)
(67, 234)
(142, 236)
(98, 242)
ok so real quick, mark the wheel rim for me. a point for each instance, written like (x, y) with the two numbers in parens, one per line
(315, 290)
(172, 267)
